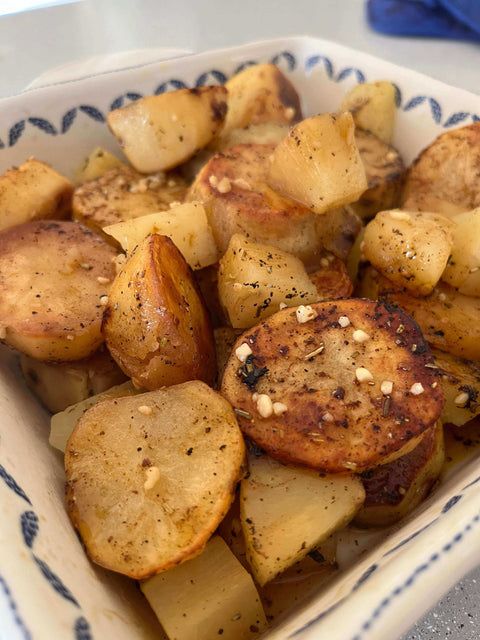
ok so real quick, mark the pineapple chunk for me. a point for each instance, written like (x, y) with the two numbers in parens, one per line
(255, 279)
(410, 249)
(97, 163)
(186, 225)
(373, 108)
(161, 132)
(287, 511)
(208, 596)
(463, 268)
(318, 163)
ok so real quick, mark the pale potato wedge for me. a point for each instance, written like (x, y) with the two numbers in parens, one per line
(160, 132)
(233, 188)
(463, 267)
(33, 191)
(54, 277)
(448, 169)
(460, 381)
(155, 323)
(287, 511)
(318, 163)
(255, 279)
(337, 386)
(63, 423)
(448, 319)
(59, 385)
(372, 105)
(185, 224)
(394, 490)
(260, 93)
(160, 467)
(122, 194)
(411, 249)
(96, 164)
(209, 596)
(385, 173)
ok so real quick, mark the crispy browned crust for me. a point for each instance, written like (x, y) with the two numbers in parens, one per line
(122, 194)
(50, 295)
(333, 422)
(385, 175)
(250, 206)
(331, 279)
(155, 324)
(449, 169)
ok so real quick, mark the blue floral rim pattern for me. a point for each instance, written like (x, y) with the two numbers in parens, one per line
(285, 59)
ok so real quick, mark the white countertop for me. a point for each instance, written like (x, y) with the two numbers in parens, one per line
(35, 41)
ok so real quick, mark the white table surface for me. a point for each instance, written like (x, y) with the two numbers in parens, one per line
(32, 42)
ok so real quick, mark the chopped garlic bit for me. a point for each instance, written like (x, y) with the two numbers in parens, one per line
(327, 417)
(399, 215)
(360, 336)
(350, 465)
(103, 280)
(282, 305)
(264, 405)
(305, 313)
(442, 297)
(289, 113)
(386, 387)
(363, 375)
(237, 286)
(279, 408)
(213, 180)
(104, 300)
(343, 321)
(70, 337)
(416, 389)
(243, 351)
(462, 399)
(152, 477)
(145, 410)
(175, 203)
(224, 186)
(242, 184)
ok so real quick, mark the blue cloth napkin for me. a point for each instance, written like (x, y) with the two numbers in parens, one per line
(457, 19)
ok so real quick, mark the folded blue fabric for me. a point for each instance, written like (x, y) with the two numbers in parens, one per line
(457, 19)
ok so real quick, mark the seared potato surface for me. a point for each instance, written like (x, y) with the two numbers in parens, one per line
(337, 386)
(54, 277)
(150, 477)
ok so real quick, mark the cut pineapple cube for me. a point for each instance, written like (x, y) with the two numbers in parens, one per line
(318, 163)
(209, 596)
(373, 108)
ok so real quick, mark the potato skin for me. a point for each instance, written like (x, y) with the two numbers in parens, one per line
(155, 324)
(333, 422)
(53, 275)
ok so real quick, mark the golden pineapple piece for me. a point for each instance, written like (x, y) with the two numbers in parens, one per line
(372, 106)
(463, 267)
(318, 163)
(96, 164)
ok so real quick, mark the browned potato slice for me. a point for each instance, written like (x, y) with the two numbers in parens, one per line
(429, 203)
(233, 188)
(122, 194)
(60, 385)
(161, 132)
(96, 164)
(448, 169)
(155, 324)
(394, 490)
(460, 380)
(260, 93)
(207, 596)
(336, 386)
(385, 175)
(331, 279)
(411, 249)
(318, 163)
(372, 105)
(337, 229)
(185, 224)
(53, 279)
(262, 133)
(448, 319)
(149, 477)
(287, 511)
(463, 267)
(255, 280)
(33, 191)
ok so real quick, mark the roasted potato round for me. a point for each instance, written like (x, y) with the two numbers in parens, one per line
(150, 477)
(53, 279)
(155, 323)
(336, 386)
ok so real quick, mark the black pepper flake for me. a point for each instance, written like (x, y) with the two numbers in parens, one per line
(317, 556)
(250, 373)
(190, 451)
(339, 393)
